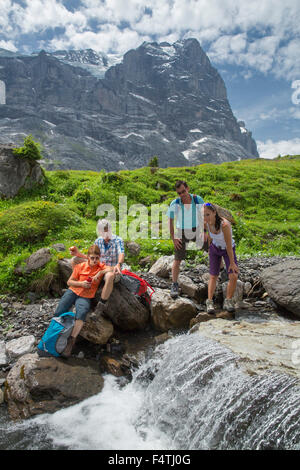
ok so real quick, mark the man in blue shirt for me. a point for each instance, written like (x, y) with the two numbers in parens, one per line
(189, 226)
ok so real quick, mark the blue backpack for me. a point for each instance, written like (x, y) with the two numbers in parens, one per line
(55, 338)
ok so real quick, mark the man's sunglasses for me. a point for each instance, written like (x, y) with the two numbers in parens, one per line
(94, 258)
(181, 192)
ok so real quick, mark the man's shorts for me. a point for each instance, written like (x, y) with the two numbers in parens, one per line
(215, 258)
(82, 305)
(186, 236)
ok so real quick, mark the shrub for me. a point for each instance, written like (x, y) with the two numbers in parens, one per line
(30, 150)
(153, 162)
(83, 196)
(31, 222)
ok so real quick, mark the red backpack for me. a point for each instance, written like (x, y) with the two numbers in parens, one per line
(137, 285)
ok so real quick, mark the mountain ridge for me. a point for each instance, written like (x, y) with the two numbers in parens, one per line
(161, 99)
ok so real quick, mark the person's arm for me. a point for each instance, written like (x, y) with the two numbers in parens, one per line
(121, 256)
(207, 237)
(73, 281)
(228, 240)
(75, 252)
(101, 273)
(177, 242)
(117, 267)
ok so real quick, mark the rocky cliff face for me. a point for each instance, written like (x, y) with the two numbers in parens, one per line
(17, 173)
(165, 100)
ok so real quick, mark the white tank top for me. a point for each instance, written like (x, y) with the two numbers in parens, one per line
(218, 238)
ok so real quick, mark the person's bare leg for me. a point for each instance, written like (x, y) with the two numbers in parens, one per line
(108, 285)
(175, 269)
(231, 285)
(212, 286)
(77, 328)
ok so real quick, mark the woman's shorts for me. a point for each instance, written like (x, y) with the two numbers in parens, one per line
(215, 258)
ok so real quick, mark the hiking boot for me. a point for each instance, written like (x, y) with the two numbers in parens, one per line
(228, 305)
(210, 306)
(68, 349)
(174, 292)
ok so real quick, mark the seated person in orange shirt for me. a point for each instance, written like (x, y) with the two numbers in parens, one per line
(83, 284)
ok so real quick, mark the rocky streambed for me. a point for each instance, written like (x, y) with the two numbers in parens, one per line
(264, 332)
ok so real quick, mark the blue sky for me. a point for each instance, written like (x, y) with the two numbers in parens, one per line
(255, 45)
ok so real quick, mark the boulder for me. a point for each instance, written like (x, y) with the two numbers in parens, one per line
(163, 266)
(168, 313)
(260, 347)
(125, 310)
(44, 385)
(35, 261)
(59, 247)
(20, 346)
(97, 329)
(238, 293)
(65, 269)
(3, 356)
(282, 282)
(133, 248)
(114, 366)
(201, 317)
(145, 261)
(195, 291)
(17, 173)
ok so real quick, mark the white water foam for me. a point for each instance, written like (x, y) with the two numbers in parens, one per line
(104, 422)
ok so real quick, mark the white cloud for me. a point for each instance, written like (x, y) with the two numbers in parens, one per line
(261, 35)
(42, 14)
(270, 149)
(8, 45)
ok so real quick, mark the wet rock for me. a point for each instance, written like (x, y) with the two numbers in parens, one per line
(44, 385)
(160, 339)
(260, 347)
(201, 317)
(282, 282)
(168, 313)
(114, 366)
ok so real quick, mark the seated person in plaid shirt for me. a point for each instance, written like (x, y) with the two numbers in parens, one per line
(111, 249)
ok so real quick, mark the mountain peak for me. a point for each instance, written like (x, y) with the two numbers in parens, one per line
(161, 99)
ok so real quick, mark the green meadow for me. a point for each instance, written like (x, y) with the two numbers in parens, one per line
(262, 195)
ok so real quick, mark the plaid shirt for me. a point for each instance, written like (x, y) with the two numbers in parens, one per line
(109, 252)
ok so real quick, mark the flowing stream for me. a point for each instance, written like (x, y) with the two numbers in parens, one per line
(189, 395)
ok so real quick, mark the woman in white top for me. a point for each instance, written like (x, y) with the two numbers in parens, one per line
(221, 245)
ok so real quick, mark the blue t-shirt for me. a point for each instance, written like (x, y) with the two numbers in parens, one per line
(187, 215)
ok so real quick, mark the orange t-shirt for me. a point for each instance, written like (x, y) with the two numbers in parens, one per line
(81, 272)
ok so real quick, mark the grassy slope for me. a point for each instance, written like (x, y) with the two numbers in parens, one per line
(263, 195)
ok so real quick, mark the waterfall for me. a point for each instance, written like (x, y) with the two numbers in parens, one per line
(190, 394)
